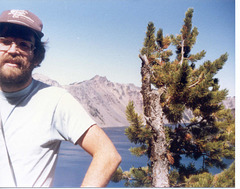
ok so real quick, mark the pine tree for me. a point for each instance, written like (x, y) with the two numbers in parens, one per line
(169, 88)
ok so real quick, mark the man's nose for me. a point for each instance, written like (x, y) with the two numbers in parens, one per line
(13, 49)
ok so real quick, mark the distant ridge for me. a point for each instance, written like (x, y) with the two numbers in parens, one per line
(46, 80)
(106, 101)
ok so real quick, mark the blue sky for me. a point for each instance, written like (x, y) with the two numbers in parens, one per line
(104, 37)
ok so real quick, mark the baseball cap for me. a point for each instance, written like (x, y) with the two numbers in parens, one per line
(24, 18)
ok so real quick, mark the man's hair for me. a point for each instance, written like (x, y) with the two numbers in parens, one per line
(39, 52)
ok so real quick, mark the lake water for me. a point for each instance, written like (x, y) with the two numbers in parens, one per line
(73, 161)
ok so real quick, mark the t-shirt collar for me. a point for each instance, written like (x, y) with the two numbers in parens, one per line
(18, 94)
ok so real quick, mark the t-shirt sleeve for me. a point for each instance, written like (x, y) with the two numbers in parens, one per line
(70, 118)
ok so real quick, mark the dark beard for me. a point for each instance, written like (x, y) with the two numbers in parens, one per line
(19, 76)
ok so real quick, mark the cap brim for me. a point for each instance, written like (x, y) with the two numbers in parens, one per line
(37, 33)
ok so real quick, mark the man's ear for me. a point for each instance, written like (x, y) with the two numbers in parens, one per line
(36, 65)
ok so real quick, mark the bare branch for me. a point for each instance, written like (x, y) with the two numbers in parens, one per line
(182, 51)
(201, 77)
(196, 123)
(194, 84)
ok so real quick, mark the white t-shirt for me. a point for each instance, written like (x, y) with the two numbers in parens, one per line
(35, 121)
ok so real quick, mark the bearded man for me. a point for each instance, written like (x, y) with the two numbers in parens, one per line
(36, 117)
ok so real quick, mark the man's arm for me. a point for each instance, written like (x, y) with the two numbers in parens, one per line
(105, 157)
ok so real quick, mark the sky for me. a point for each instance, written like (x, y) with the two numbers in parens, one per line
(104, 37)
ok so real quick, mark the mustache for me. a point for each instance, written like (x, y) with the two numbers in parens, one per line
(16, 60)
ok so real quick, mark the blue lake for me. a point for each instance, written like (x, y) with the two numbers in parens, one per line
(73, 161)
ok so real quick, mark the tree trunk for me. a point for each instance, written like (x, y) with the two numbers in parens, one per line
(154, 118)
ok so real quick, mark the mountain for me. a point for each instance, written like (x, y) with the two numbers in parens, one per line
(106, 101)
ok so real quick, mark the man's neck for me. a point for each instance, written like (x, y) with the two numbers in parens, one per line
(10, 88)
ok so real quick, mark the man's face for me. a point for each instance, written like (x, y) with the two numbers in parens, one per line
(15, 63)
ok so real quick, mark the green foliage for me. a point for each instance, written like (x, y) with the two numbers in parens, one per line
(118, 175)
(140, 177)
(223, 179)
(149, 42)
(201, 180)
(135, 177)
(137, 132)
(174, 177)
(187, 38)
(159, 39)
